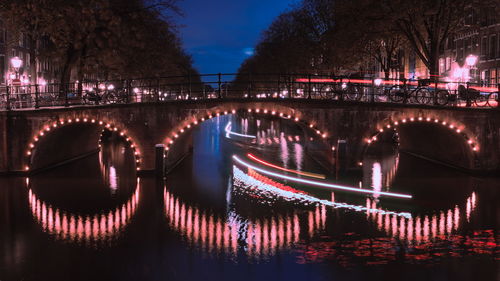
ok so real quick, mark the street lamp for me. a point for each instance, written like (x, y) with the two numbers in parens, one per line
(16, 64)
(471, 61)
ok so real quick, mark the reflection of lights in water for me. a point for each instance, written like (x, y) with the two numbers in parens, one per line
(376, 179)
(258, 238)
(79, 228)
(320, 184)
(113, 179)
(228, 131)
(267, 188)
(299, 155)
(385, 169)
(284, 154)
(313, 175)
(424, 229)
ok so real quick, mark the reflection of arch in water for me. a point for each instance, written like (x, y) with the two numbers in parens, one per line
(80, 228)
(422, 228)
(258, 238)
(380, 174)
(64, 123)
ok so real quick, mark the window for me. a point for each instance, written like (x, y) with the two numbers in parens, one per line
(442, 66)
(493, 76)
(484, 48)
(493, 47)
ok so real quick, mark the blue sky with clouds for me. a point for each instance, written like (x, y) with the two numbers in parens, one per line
(220, 34)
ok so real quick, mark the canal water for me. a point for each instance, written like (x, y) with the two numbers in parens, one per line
(245, 205)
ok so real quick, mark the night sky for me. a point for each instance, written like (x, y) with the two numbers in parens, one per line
(220, 34)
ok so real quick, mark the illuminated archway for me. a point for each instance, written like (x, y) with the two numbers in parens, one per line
(97, 124)
(455, 130)
(279, 112)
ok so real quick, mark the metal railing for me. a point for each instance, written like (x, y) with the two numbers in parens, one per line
(257, 86)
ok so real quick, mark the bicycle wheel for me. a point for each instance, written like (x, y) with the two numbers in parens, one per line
(354, 93)
(442, 97)
(327, 92)
(396, 94)
(481, 100)
(111, 97)
(423, 96)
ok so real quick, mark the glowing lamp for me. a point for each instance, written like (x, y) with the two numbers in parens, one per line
(471, 60)
(378, 82)
(16, 62)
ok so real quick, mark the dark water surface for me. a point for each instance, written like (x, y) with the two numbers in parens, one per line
(215, 219)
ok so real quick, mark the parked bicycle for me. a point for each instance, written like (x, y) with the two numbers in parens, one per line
(341, 91)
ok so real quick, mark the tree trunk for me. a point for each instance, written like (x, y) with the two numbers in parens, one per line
(66, 72)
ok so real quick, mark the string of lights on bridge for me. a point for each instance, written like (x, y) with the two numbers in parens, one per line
(62, 122)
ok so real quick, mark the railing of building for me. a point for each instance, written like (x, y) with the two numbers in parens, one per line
(252, 86)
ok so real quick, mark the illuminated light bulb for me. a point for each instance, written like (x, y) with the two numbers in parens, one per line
(138, 169)
(458, 130)
(324, 135)
(469, 141)
(444, 123)
(369, 141)
(404, 121)
(62, 122)
(249, 110)
(128, 139)
(29, 153)
(42, 133)
(121, 134)
(77, 120)
(93, 120)
(69, 121)
(388, 126)
(196, 122)
(265, 111)
(296, 119)
(428, 119)
(333, 148)
(273, 113)
(26, 168)
(100, 122)
(360, 163)
(374, 138)
(36, 139)
(225, 112)
(108, 125)
(182, 130)
(257, 110)
(202, 119)
(85, 120)
(137, 161)
(136, 153)
(176, 136)
(171, 142)
(474, 148)
(132, 145)
(281, 114)
(381, 130)
(217, 114)
(209, 116)
(396, 123)
(310, 126)
(188, 126)
(419, 118)
(451, 126)
(318, 132)
(115, 129)
(47, 129)
(233, 111)
(412, 119)
(289, 116)
(54, 125)
(167, 148)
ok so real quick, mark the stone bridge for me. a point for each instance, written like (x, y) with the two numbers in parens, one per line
(465, 138)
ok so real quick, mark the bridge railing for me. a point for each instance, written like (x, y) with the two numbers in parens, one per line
(256, 86)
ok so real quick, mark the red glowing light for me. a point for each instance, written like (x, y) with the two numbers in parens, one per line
(307, 174)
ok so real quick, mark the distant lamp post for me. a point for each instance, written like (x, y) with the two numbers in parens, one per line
(471, 61)
(16, 63)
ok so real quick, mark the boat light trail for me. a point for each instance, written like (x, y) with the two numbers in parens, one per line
(307, 174)
(254, 183)
(228, 131)
(321, 184)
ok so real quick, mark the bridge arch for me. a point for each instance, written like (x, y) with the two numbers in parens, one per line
(46, 140)
(272, 111)
(450, 135)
